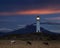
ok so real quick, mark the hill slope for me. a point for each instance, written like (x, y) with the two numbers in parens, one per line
(30, 32)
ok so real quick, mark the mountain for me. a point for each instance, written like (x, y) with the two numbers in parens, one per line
(26, 30)
(2, 33)
(29, 31)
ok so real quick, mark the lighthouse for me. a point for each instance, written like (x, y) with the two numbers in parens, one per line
(37, 24)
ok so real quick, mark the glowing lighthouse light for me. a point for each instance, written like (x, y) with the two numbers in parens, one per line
(38, 24)
(38, 18)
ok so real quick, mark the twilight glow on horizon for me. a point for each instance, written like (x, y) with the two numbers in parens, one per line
(28, 7)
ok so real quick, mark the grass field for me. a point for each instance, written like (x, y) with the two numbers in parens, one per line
(23, 44)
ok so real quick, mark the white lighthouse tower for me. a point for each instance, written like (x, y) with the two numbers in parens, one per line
(38, 24)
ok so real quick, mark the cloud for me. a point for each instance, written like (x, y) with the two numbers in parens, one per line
(29, 12)
(20, 26)
(39, 12)
(5, 30)
(55, 31)
(53, 18)
(14, 7)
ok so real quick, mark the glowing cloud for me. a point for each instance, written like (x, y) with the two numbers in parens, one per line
(29, 12)
(39, 12)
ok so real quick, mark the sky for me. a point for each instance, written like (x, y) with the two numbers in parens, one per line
(15, 7)
(18, 13)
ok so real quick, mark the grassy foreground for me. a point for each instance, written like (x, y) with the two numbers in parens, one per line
(23, 44)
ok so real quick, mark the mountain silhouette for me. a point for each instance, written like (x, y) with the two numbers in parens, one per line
(28, 29)
(31, 31)
(2, 33)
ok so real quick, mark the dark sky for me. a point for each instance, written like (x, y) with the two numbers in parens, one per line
(13, 7)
